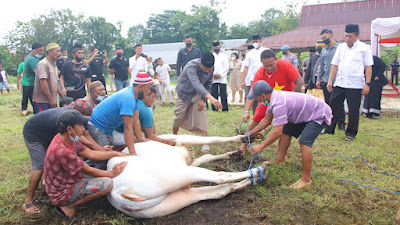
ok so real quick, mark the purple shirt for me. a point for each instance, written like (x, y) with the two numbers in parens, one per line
(293, 107)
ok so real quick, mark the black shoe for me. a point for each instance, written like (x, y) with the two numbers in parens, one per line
(342, 127)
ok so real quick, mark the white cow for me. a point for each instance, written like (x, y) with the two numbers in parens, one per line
(155, 182)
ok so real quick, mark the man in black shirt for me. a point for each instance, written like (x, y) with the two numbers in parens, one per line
(96, 64)
(75, 74)
(394, 68)
(120, 67)
(63, 58)
(187, 54)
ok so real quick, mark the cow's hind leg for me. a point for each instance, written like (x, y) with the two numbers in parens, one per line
(209, 158)
(184, 197)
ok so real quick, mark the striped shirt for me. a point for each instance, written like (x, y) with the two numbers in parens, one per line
(293, 107)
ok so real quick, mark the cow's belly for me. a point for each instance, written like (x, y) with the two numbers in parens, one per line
(148, 175)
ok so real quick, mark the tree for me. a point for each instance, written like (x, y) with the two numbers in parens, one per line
(288, 20)
(237, 31)
(166, 27)
(59, 26)
(99, 33)
(267, 25)
(137, 34)
(10, 61)
(203, 25)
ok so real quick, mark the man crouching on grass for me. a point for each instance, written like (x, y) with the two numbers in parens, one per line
(293, 115)
(64, 184)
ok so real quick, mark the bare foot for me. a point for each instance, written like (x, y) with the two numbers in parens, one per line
(301, 184)
(69, 212)
(30, 208)
(274, 161)
(243, 148)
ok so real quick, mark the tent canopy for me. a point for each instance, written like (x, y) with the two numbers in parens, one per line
(385, 32)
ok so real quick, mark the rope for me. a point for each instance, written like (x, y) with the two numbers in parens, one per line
(252, 177)
(350, 181)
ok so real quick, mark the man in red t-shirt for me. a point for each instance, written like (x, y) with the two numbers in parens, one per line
(278, 73)
(64, 184)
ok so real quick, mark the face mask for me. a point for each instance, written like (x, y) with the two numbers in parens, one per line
(100, 98)
(217, 50)
(319, 50)
(256, 45)
(141, 95)
(119, 54)
(76, 138)
(63, 57)
(243, 55)
(264, 102)
(326, 41)
(285, 53)
(188, 45)
(233, 58)
(78, 59)
(38, 56)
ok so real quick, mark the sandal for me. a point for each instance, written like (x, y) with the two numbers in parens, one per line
(29, 205)
(59, 211)
(349, 138)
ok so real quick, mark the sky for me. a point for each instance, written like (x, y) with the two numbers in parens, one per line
(133, 12)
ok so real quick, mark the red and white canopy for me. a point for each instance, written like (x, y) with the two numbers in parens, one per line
(385, 32)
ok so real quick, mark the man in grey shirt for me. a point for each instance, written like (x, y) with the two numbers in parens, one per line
(325, 69)
(186, 54)
(192, 90)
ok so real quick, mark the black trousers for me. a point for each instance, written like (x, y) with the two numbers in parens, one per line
(353, 97)
(395, 76)
(372, 102)
(27, 93)
(327, 96)
(218, 89)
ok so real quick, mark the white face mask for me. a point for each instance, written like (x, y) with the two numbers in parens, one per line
(256, 45)
(233, 58)
(74, 139)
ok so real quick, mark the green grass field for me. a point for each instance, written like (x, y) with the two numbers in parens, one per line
(273, 202)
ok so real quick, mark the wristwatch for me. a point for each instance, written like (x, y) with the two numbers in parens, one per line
(368, 83)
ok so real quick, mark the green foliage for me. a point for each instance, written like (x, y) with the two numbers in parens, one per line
(387, 56)
(204, 26)
(10, 61)
(99, 33)
(237, 31)
(166, 27)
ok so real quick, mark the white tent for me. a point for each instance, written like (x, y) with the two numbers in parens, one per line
(385, 32)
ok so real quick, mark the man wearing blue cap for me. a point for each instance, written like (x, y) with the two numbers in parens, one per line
(293, 115)
(288, 56)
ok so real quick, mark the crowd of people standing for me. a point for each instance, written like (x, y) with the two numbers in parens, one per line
(271, 87)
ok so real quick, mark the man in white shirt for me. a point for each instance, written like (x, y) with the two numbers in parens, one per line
(251, 65)
(348, 64)
(137, 62)
(164, 71)
(221, 68)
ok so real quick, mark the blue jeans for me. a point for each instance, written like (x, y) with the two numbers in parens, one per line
(121, 84)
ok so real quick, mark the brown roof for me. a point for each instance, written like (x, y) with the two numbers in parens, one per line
(334, 16)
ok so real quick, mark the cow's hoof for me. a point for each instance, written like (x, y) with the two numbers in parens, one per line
(257, 180)
(236, 155)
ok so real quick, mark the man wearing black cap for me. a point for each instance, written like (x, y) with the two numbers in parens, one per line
(192, 90)
(75, 74)
(64, 183)
(327, 54)
(186, 54)
(38, 132)
(221, 68)
(31, 62)
(251, 65)
(348, 65)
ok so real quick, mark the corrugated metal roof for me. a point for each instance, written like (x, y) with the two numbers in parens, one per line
(334, 16)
